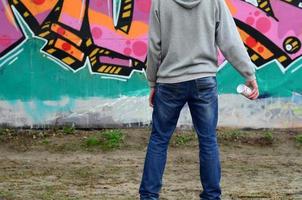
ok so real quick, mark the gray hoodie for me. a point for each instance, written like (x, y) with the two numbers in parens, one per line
(183, 40)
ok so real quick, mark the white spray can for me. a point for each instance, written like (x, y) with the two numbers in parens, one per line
(244, 90)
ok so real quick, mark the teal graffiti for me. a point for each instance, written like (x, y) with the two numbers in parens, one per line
(272, 81)
(41, 78)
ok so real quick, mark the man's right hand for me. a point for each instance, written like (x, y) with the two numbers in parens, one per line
(151, 96)
(254, 86)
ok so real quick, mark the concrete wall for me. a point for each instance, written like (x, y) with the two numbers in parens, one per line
(83, 62)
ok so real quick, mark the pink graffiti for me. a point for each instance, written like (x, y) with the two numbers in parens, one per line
(289, 21)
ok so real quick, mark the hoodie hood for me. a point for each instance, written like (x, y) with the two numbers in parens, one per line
(188, 3)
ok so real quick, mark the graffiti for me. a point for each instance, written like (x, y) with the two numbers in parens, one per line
(271, 31)
(268, 31)
(112, 35)
(74, 60)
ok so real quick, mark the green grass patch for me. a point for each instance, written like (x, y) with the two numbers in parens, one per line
(106, 140)
(68, 129)
(253, 137)
(299, 139)
(45, 141)
(111, 139)
(92, 141)
(268, 137)
(232, 135)
(181, 140)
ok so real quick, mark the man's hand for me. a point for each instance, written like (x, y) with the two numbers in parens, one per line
(151, 96)
(254, 86)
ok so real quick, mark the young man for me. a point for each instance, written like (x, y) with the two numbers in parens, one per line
(181, 68)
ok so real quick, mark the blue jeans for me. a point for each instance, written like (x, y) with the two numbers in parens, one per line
(202, 98)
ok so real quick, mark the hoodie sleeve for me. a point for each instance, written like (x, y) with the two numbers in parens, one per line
(229, 42)
(154, 44)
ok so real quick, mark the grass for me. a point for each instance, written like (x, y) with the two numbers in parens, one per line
(70, 177)
(6, 195)
(5, 131)
(92, 141)
(68, 129)
(106, 140)
(232, 135)
(236, 134)
(51, 192)
(2, 136)
(2, 131)
(111, 139)
(263, 137)
(181, 140)
(268, 137)
(299, 139)
(253, 137)
(45, 141)
(85, 172)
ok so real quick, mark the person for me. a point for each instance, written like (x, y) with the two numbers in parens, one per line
(181, 68)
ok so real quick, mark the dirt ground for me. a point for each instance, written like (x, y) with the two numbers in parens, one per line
(55, 165)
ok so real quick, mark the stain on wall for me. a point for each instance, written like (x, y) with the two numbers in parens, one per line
(83, 61)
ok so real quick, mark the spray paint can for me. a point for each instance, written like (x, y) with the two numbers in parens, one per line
(244, 90)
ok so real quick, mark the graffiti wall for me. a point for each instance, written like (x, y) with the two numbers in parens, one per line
(83, 62)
